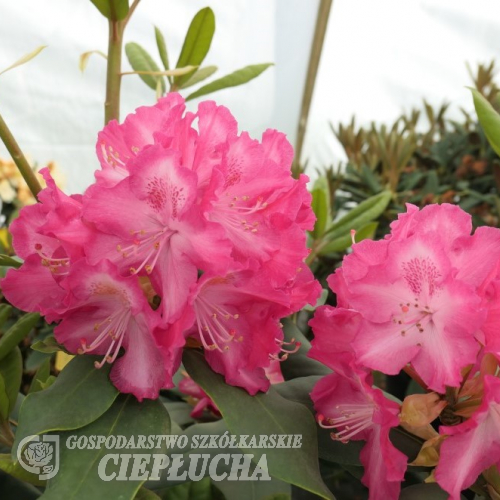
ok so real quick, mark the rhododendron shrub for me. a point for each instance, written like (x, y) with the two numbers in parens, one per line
(191, 230)
(423, 300)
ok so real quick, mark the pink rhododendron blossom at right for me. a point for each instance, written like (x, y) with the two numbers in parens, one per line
(425, 300)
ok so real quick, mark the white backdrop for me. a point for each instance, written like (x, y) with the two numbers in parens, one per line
(380, 57)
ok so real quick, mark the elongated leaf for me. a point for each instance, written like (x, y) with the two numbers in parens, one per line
(367, 211)
(78, 477)
(11, 371)
(80, 395)
(265, 414)
(4, 401)
(162, 50)
(239, 77)
(48, 345)
(170, 72)
(197, 42)
(17, 332)
(84, 58)
(26, 58)
(320, 206)
(5, 310)
(489, 119)
(115, 10)
(342, 243)
(7, 261)
(41, 376)
(140, 60)
(199, 76)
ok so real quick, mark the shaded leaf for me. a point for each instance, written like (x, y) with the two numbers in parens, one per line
(41, 376)
(17, 332)
(11, 372)
(7, 261)
(197, 42)
(26, 58)
(141, 61)
(427, 491)
(266, 414)
(5, 310)
(239, 77)
(15, 469)
(342, 243)
(321, 206)
(48, 345)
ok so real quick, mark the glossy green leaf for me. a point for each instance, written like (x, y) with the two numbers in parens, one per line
(488, 118)
(239, 77)
(197, 42)
(11, 371)
(342, 243)
(7, 261)
(78, 477)
(194, 490)
(15, 470)
(41, 376)
(48, 345)
(115, 10)
(199, 76)
(80, 395)
(267, 414)
(145, 494)
(17, 332)
(140, 60)
(162, 50)
(321, 206)
(367, 211)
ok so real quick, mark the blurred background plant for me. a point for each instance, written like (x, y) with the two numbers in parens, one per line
(423, 157)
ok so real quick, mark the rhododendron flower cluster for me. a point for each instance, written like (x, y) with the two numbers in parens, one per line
(191, 230)
(424, 300)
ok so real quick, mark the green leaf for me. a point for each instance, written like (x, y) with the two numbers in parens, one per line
(140, 60)
(197, 42)
(78, 476)
(427, 491)
(298, 364)
(115, 10)
(194, 490)
(367, 211)
(24, 59)
(320, 206)
(48, 345)
(4, 401)
(162, 49)
(267, 414)
(80, 395)
(15, 470)
(41, 376)
(5, 310)
(11, 372)
(342, 243)
(488, 118)
(17, 332)
(239, 77)
(7, 261)
(199, 76)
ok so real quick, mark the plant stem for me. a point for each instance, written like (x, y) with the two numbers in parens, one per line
(114, 68)
(113, 75)
(19, 158)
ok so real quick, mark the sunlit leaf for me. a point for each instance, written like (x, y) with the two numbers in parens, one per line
(115, 10)
(199, 76)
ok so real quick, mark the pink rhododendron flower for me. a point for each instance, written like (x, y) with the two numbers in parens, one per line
(472, 446)
(419, 302)
(105, 313)
(354, 411)
(192, 229)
